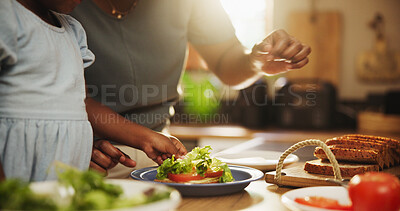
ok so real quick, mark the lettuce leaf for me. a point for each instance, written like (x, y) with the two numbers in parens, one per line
(198, 158)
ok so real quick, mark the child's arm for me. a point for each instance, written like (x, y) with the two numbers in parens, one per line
(2, 176)
(110, 125)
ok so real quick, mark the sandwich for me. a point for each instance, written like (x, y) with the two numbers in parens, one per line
(196, 167)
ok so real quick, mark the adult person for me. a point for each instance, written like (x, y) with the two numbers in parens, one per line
(141, 49)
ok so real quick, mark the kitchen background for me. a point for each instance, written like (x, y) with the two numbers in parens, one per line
(355, 37)
(351, 82)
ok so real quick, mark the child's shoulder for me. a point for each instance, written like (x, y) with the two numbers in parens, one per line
(8, 24)
(4, 4)
(7, 11)
(76, 29)
(72, 24)
(68, 19)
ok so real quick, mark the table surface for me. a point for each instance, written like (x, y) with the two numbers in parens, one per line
(190, 132)
(259, 195)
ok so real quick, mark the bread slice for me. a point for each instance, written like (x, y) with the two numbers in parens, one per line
(370, 156)
(384, 154)
(346, 169)
(392, 143)
(390, 157)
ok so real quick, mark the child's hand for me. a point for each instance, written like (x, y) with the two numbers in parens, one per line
(105, 156)
(161, 146)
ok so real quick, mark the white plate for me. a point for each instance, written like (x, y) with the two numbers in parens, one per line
(331, 192)
(258, 159)
(130, 188)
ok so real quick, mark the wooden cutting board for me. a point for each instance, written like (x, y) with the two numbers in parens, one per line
(296, 176)
(322, 31)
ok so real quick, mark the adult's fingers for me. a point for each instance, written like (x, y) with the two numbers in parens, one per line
(275, 67)
(279, 40)
(261, 48)
(298, 65)
(302, 54)
(280, 46)
(292, 50)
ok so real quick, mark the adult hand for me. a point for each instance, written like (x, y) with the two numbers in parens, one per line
(105, 156)
(160, 146)
(279, 52)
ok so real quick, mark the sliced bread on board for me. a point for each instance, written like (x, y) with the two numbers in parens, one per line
(346, 169)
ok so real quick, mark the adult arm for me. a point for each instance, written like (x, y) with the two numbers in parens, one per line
(278, 52)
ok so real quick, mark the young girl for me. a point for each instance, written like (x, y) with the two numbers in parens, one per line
(42, 89)
(42, 97)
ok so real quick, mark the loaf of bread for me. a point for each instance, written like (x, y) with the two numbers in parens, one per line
(393, 144)
(356, 154)
(346, 169)
(370, 156)
(389, 153)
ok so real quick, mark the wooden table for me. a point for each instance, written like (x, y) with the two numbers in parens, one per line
(259, 195)
(194, 132)
(221, 137)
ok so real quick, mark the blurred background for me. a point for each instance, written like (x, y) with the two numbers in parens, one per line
(351, 84)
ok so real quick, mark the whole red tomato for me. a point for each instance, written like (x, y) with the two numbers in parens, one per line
(375, 191)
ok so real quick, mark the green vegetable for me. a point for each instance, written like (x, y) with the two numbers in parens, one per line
(199, 158)
(89, 192)
(16, 195)
(200, 96)
(226, 176)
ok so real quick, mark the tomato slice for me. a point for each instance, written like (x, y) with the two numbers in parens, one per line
(184, 177)
(322, 202)
(214, 173)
